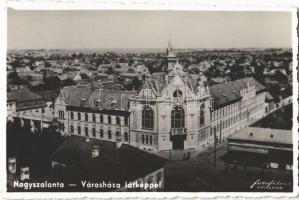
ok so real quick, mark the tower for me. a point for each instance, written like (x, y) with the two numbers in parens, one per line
(171, 58)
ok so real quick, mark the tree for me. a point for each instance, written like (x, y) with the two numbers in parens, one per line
(68, 82)
(110, 70)
(83, 76)
(52, 82)
(47, 65)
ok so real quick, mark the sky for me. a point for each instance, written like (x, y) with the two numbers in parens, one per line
(147, 29)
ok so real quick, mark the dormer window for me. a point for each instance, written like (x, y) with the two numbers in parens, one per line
(178, 93)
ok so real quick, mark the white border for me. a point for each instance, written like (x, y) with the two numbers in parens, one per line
(153, 5)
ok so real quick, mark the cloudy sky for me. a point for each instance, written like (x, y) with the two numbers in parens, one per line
(147, 29)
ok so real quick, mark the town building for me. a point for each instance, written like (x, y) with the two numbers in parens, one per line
(31, 108)
(263, 147)
(104, 161)
(173, 110)
(94, 113)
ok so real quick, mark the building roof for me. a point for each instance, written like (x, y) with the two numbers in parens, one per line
(127, 163)
(229, 92)
(265, 135)
(48, 95)
(25, 99)
(102, 101)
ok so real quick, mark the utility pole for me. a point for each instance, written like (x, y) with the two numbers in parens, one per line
(215, 144)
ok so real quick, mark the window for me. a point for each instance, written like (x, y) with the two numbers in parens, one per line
(202, 114)
(177, 117)
(126, 120)
(93, 132)
(101, 118)
(177, 93)
(109, 134)
(79, 116)
(43, 110)
(117, 133)
(72, 115)
(61, 114)
(93, 117)
(126, 136)
(86, 131)
(109, 119)
(142, 139)
(101, 133)
(151, 140)
(147, 118)
(117, 120)
(86, 117)
(79, 130)
(146, 139)
(72, 129)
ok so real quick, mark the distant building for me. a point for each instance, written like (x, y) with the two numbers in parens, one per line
(263, 147)
(29, 107)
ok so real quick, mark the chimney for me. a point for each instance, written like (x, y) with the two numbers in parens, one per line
(12, 165)
(95, 151)
(24, 173)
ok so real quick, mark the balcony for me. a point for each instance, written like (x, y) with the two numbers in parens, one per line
(178, 131)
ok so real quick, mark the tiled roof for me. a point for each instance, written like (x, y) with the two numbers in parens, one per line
(85, 98)
(124, 164)
(25, 99)
(265, 135)
(229, 92)
(48, 94)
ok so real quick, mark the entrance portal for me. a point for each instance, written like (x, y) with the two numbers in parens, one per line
(178, 142)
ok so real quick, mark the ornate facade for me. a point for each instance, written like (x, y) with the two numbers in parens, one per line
(173, 110)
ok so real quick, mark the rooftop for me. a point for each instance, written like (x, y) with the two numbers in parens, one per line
(229, 92)
(124, 164)
(25, 99)
(265, 135)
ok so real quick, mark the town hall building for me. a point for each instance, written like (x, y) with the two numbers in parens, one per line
(173, 110)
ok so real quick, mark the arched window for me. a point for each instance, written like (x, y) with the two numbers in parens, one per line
(177, 93)
(177, 117)
(202, 114)
(147, 118)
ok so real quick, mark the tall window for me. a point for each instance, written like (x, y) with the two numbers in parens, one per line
(202, 115)
(61, 114)
(109, 134)
(72, 129)
(126, 136)
(79, 116)
(79, 130)
(101, 118)
(72, 115)
(177, 117)
(109, 119)
(93, 132)
(86, 131)
(93, 117)
(86, 117)
(147, 118)
(117, 120)
(126, 120)
(142, 139)
(101, 133)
